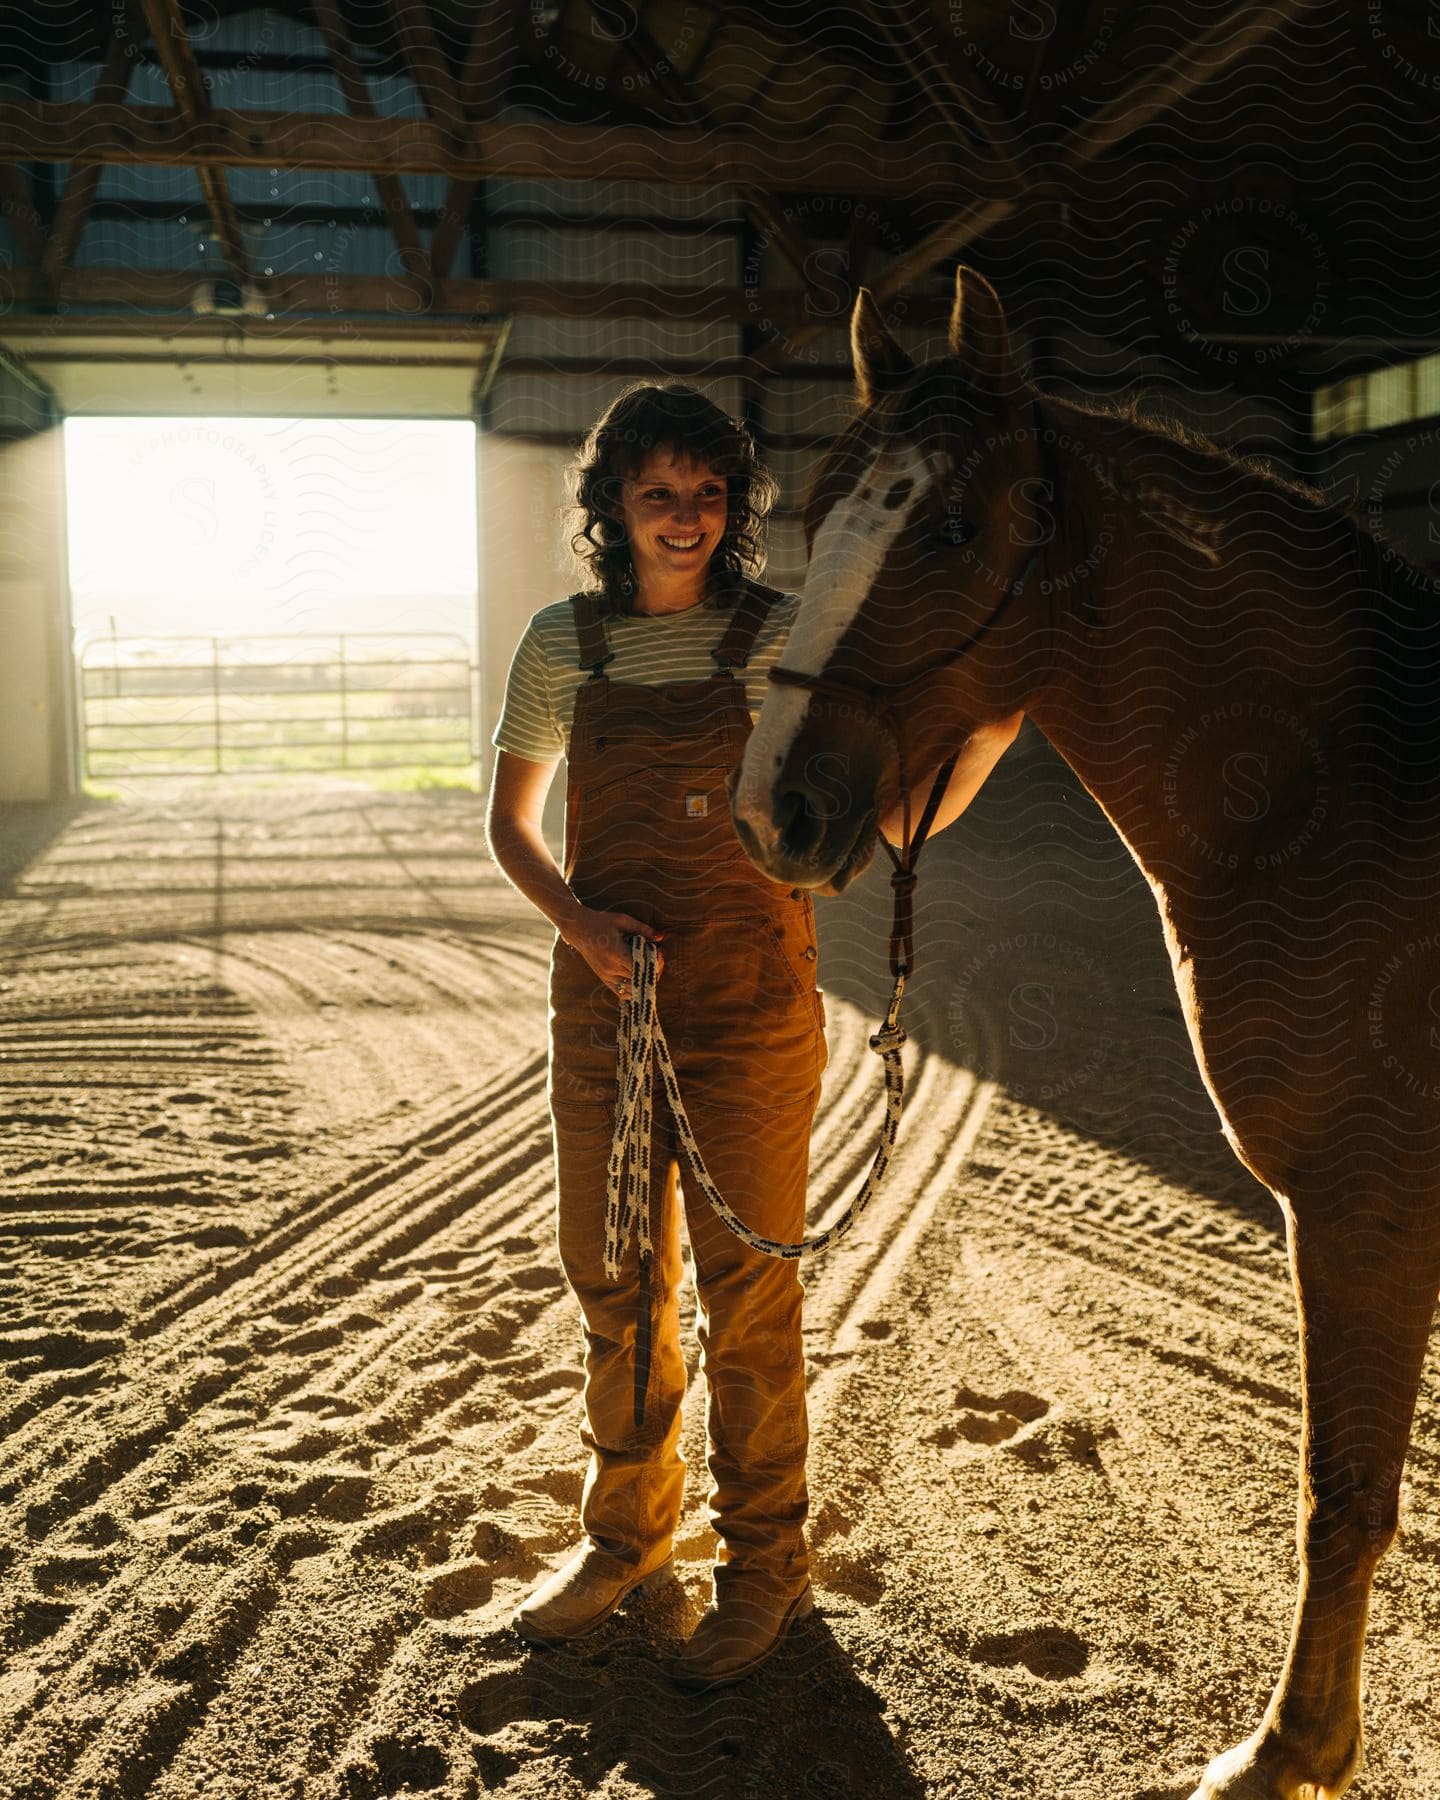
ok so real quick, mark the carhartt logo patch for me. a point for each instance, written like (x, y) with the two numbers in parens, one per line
(696, 805)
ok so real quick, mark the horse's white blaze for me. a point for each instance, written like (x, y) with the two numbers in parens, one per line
(849, 552)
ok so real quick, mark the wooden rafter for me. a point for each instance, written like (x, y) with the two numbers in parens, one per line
(463, 299)
(77, 336)
(1161, 89)
(1049, 40)
(641, 49)
(489, 60)
(65, 131)
(1168, 84)
(24, 221)
(355, 91)
(797, 249)
(956, 96)
(858, 242)
(483, 83)
(425, 60)
(192, 101)
(83, 179)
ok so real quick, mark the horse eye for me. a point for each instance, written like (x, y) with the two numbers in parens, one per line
(956, 530)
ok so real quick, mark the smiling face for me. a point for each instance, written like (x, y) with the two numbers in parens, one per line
(674, 511)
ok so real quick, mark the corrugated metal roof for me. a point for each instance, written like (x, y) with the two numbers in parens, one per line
(142, 244)
(137, 181)
(526, 402)
(802, 406)
(660, 340)
(258, 30)
(586, 199)
(537, 252)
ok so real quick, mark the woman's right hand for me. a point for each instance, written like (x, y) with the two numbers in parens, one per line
(602, 939)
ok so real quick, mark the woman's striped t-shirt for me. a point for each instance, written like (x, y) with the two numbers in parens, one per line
(649, 648)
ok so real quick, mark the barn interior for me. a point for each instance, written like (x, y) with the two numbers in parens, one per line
(291, 1380)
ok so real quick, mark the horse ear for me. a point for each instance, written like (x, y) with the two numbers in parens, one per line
(880, 362)
(979, 335)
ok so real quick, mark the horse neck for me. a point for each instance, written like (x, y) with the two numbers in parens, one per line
(1117, 678)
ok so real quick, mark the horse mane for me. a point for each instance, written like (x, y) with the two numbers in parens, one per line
(1392, 604)
(1192, 487)
(1185, 481)
(1177, 490)
(1163, 468)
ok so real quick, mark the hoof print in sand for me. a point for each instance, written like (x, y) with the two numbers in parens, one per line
(458, 1590)
(857, 1577)
(413, 1534)
(562, 1485)
(340, 1497)
(30, 1620)
(395, 1765)
(76, 1569)
(1062, 1438)
(498, 1547)
(1050, 1652)
(829, 1522)
(510, 1694)
(986, 1420)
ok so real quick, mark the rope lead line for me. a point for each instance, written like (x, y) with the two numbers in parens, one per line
(640, 1045)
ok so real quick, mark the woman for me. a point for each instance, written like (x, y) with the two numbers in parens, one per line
(648, 682)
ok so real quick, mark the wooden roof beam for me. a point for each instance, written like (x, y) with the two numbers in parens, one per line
(82, 180)
(420, 48)
(26, 226)
(192, 101)
(959, 100)
(466, 300)
(80, 131)
(647, 57)
(483, 84)
(356, 93)
(1165, 86)
(1161, 89)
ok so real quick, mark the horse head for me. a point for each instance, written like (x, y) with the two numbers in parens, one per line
(919, 618)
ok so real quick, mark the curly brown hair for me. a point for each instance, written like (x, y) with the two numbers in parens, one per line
(682, 420)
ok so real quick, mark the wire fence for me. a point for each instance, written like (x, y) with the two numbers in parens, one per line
(303, 703)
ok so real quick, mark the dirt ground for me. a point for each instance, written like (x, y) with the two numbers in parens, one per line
(289, 1376)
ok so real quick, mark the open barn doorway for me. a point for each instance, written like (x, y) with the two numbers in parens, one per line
(274, 597)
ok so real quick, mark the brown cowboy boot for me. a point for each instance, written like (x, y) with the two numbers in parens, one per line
(746, 1621)
(582, 1595)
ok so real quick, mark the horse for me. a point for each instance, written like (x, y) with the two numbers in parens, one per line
(1243, 678)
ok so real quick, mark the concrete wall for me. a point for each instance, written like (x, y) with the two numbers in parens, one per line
(523, 565)
(37, 759)
(1392, 477)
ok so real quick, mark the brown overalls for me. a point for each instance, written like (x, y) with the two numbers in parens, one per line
(648, 832)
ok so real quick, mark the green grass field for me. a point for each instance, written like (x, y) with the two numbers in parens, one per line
(235, 733)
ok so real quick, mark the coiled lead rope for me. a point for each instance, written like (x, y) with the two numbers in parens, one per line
(641, 1045)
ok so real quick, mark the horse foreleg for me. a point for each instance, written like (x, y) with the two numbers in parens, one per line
(1365, 1281)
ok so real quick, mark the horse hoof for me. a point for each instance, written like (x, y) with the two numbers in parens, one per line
(1262, 1769)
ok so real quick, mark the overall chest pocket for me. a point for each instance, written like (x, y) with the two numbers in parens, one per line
(662, 812)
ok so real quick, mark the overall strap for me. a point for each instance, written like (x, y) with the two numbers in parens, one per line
(733, 650)
(595, 649)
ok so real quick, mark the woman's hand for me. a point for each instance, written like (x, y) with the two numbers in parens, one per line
(517, 842)
(602, 939)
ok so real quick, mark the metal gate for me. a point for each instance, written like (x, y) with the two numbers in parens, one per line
(300, 704)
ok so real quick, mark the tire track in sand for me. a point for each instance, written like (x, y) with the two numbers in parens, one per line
(450, 1157)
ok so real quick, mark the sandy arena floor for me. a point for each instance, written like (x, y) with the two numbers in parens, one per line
(289, 1377)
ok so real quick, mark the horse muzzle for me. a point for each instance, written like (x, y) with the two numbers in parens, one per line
(810, 827)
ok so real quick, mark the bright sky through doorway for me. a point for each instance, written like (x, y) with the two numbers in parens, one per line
(271, 525)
